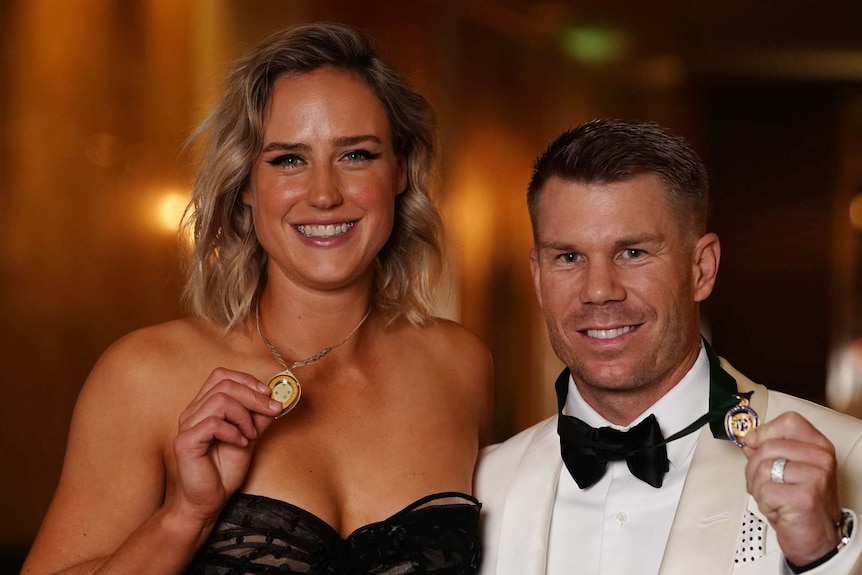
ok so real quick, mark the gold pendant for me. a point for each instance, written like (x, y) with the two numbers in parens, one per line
(286, 389)
(739, 421)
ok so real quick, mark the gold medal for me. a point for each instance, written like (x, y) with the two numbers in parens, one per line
(739, 421)
(284, 385)
(285, 388)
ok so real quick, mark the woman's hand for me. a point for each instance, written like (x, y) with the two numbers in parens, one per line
(216, 437)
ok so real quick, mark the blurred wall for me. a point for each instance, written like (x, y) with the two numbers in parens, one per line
(98, 96)
(777, 173)
(95, 106)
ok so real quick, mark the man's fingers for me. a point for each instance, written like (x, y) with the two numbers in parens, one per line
(788, 425)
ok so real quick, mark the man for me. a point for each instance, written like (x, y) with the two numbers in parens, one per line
(621, 262)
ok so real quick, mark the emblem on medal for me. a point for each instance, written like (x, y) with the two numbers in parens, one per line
(739, 421)
(285, 388)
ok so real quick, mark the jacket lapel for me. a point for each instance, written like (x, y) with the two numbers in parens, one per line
(709, 516)
(526, 522)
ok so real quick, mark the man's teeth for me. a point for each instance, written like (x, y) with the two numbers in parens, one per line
(327, 231)
(609, 333)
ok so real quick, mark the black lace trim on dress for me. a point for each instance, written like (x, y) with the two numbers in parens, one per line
(258, 535)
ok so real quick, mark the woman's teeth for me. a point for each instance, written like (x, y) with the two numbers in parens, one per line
(327, 231)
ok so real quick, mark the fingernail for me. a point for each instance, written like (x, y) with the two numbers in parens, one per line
(275, 405)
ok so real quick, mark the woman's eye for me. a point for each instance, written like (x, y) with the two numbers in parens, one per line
(360, 156)
(287, 160)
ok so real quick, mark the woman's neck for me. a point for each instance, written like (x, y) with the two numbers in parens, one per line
(300, 323)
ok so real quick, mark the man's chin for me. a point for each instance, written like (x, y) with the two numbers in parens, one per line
(610, 377)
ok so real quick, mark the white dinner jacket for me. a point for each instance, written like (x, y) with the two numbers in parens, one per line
(516, 481)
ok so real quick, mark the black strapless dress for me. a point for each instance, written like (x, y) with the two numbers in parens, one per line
(258, 535)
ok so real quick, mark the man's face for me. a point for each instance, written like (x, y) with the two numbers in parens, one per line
(620, 284)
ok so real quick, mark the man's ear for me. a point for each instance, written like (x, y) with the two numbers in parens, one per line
(705, 259)
(537, 278)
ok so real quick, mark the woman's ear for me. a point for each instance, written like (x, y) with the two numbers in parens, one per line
(246, 196)
(402, 175)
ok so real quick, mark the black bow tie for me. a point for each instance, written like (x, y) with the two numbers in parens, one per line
(586, 451)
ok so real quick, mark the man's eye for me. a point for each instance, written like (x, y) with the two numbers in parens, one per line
(633, 253)
(569, 258)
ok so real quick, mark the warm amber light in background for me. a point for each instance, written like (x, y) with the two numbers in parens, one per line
(101, 149)
(472, 221)
(167, 210)
(845, 374)
(856, 354)
(856, 212)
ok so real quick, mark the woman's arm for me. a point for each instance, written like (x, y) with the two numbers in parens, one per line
(115, 510)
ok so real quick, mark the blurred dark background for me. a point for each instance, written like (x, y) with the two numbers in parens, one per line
(98, 96)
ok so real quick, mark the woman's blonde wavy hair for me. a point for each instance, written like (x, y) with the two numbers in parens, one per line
(228, 265)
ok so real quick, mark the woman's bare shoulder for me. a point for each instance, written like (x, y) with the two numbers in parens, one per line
(443, 346)
(452, 355)
(451, 337)
(165, 341)
(151, 365)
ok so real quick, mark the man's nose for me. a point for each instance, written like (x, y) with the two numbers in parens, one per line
(601, 283)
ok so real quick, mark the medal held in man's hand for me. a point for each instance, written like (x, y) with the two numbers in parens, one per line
(739, 421)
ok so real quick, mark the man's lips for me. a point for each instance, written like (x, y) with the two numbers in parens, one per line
(609, 333)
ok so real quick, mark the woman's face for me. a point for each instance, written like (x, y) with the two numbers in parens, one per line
(323, 188)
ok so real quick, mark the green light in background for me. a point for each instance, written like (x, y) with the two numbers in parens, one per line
(593, 45)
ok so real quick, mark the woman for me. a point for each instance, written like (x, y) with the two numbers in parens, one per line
(315, 247)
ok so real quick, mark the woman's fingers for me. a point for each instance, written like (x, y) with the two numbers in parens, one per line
(235, 397)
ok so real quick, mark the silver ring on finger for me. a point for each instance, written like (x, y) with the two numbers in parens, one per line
(776, 472)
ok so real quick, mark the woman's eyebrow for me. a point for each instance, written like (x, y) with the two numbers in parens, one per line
(353, 140)
(285, 147)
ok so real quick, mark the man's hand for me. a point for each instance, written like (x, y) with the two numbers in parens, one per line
(803, 509)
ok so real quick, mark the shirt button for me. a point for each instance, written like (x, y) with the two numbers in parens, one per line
(621, 518)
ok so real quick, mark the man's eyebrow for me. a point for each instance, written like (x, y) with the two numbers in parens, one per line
(556, 246)
(621, 243)
(639, 239)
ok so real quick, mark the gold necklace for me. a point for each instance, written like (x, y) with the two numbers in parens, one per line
(284, 384)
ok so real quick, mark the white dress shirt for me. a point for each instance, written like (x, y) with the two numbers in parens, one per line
(620, 525)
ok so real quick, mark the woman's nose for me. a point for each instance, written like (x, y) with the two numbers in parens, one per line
(325, 189)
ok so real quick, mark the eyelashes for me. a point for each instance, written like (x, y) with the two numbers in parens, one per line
(361, 155)
(285, 160)
(351, 157)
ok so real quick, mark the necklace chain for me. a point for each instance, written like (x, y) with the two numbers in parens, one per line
(309, 360)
